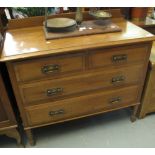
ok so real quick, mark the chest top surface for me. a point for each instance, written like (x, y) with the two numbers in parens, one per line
(30, 42)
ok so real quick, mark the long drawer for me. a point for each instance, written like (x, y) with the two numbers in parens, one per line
(81, 106)
(118, 56)
(55, 66)
(35, 93)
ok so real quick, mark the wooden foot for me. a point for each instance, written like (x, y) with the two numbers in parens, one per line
(134, 113)
(141, 116)
(30, 137)
(133, 118)
(13, 133)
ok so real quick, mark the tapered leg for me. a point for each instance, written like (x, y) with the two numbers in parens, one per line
(134, 113)
(30, 137)
(13, 133)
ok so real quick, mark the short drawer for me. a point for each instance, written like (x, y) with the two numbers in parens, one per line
(118, 56)
(48, 67)
(37, 92)
(82, 106)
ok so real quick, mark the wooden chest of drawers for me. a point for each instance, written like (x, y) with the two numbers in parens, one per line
(65, 79)
(8, 124)
(69, 86)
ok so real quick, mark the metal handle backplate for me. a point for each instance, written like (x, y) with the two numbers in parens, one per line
(56, 112)
(49, 69)
(119, 58)
(54, 91)
(115, 100)
(118, 79)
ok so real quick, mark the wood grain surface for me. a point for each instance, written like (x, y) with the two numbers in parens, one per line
(28, 42)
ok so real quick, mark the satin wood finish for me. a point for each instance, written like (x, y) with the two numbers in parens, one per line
(29, 41)
(8, 124)
(65, 79)
(82, 105)
(39, 92)
(99, 83)
(49, 67)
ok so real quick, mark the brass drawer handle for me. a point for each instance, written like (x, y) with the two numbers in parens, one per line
(57, 112)
(54, 91)
(115, 100)
(49, 69)
(119, 58)
(118, 79)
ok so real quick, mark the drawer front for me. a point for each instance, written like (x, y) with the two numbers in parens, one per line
(81, 106)
(37, 92)
(118, 56)
(48, 67)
